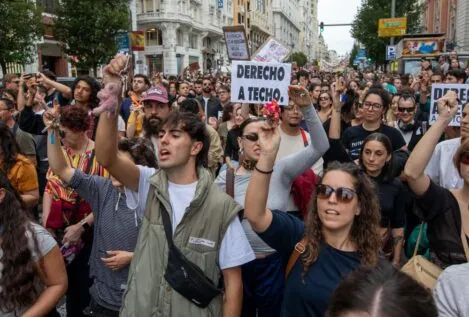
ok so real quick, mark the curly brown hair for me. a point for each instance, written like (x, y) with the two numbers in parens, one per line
(75, 118)
(365, 228)
(19, 276)
(141, 151)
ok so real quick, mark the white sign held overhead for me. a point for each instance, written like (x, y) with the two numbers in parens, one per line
(257, 82)
(439, 90)
(271, 51)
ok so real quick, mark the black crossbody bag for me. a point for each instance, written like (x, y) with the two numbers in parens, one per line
(185, 277)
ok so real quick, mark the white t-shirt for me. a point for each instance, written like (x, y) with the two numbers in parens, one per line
(120, 124)
(235, 249)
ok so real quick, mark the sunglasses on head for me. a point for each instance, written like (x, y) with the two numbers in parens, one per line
(254, 137)
(464, 158)
(408, 110)
(343, 194)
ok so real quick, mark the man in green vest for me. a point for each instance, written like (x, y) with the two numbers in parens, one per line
(205, 223)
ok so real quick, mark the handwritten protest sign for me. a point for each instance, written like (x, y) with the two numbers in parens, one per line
(271, 51)
(256, 82)
(236, 42)
(439, 90)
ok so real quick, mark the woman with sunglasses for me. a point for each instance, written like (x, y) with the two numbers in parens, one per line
(444, 210)
(325, 106)
(65, 213)
(263, 292)
(33, 277)
(376, 160)
(340, 234)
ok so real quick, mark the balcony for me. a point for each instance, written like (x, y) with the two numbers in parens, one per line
(260, 21)
(152, 17)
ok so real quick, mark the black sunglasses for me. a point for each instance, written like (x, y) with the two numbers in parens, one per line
(62, 134)
(408, 110)
(254, 137)
(343, 194)
(324, 98)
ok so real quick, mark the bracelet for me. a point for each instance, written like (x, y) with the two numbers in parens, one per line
(264, 172)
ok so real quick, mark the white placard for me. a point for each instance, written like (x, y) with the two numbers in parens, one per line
(271, 51)
(439, 90)
(256, 82)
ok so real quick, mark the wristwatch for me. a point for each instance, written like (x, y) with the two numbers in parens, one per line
(84, 225)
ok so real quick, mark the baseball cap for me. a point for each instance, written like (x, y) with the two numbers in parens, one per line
(158, 93)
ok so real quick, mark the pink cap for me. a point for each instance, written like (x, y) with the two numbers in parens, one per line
(158, 93)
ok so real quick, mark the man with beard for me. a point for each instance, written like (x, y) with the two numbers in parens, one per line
(156, 109)
(211, 105)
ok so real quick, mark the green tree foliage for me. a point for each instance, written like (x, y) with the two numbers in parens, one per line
(20, 27)
(365, 24)
(88, 29)
(300, 58)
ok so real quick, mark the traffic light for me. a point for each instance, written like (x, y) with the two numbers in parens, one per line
(321, 27)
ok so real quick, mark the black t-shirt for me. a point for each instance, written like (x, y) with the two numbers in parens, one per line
(392, 200)
(308, 297)
(354, 136)
(343, 126)
(440, 209)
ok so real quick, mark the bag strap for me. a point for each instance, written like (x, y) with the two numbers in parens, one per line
(304, 137)
(230, 178)
(464, 242)
(300, 248)
(168, 229)
(419, 238)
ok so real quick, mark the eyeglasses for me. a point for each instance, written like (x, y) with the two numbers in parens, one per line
(464, 158)
(324, 98)
(343, 194)
(325, 90)
(408, 110)
(254, 137)
(374, 106)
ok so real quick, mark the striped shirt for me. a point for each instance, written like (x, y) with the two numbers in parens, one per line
(58, 189)
(116, 228)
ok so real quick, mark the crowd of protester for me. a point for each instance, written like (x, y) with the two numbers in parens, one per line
(179, 202)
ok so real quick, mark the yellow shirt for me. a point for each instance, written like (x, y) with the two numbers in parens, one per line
(138, 123)
(23, 175)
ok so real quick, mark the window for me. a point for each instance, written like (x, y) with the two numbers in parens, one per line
(148, 5)
(154, 36)
(208, 42)
(179, 38)
(239, 18)
(193, 41)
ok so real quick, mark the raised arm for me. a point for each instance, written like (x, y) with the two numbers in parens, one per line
(63, 89)
(421, 155)
(120, 167)
(295, 164)
(257, 192)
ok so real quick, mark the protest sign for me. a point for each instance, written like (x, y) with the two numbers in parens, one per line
(257, 82)
(271, 51)
(236, 42)
(439, 90)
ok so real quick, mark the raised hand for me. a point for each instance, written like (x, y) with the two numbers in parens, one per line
(448, 105)
(51, 117)
(113, 70)
(269, 139)
(299, 95)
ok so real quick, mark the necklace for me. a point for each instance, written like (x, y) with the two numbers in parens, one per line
(249, 164)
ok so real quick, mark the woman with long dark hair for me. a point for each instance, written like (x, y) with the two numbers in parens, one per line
(376, 160)
(19, 169)
(33, 277)
(340, 234)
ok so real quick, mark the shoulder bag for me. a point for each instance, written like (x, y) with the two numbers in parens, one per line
(420, 269)
(185, 277)
(300, 248)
